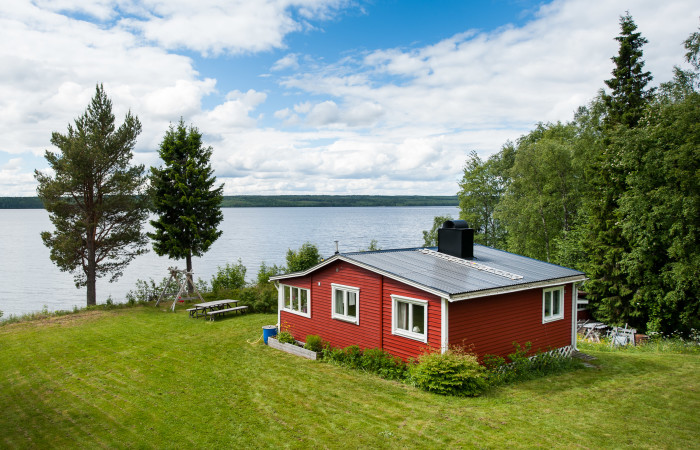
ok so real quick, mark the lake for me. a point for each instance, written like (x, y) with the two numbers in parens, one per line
(29, 280)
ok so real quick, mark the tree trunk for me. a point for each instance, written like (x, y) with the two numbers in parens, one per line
(90, 270)
(190, 281)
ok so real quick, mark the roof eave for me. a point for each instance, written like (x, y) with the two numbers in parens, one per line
(516, 288)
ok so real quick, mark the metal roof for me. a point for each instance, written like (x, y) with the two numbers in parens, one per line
(490, 272)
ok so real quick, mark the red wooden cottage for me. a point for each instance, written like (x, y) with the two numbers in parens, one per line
(459, 293)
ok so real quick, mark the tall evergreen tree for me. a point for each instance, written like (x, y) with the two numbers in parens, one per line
(184, 197)
(609, 284)
(95, 199)
(629, 95)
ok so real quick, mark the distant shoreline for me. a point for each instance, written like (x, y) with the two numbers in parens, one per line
(276, 201)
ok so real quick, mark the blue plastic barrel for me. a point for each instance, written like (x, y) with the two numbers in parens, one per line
(268, 331)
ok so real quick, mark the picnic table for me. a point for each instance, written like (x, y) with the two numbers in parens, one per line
(215, 308)
(593, 330)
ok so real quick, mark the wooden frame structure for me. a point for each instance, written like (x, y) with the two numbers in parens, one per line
(189, 276)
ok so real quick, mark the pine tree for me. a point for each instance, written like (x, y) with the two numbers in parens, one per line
(184, 197)
(95, 199)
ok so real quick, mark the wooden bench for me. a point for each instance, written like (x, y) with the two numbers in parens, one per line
(213, 314)
(192, 311)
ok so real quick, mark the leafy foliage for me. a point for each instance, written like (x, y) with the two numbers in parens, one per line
(95, 199)
(184, 197)
(430, 238)
(314, 343)
(231, 276)
(613, 193)
(455, 372)
(480, 192)
(373, 360)
(305, 257)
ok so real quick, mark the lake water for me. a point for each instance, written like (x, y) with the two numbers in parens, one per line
(29, 280)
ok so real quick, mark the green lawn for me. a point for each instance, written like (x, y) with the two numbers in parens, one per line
(142, 377)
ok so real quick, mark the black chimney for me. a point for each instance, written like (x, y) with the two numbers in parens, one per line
(455, 238)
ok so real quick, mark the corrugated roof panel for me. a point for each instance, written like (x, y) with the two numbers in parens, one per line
(453, 278)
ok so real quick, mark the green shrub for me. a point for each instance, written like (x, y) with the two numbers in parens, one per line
(286, 337)
(231, 276)
(385, 365)
(522, 367)
(314, 343)
(455, 372)
(372, 360)
(307, 256)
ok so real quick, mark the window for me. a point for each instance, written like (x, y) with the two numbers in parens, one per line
(552, 304)
(346, 303)
(409, 318)
(296, 300)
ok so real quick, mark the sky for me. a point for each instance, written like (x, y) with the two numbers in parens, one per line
(338, 97)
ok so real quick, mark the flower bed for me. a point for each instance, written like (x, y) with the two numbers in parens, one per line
(295, 349)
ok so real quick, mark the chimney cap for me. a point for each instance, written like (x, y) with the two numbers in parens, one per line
(455, 224)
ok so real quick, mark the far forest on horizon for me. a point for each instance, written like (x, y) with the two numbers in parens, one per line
(262, 201)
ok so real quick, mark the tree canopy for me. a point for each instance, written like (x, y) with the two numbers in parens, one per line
(614, 193)
(184, 197)
(95, 197)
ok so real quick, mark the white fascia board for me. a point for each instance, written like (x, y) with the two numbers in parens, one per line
(517, 288)
(307, 271)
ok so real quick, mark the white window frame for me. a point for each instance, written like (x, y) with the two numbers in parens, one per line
(345, 290)
(297, 311)
(552, 317)
(395, 299)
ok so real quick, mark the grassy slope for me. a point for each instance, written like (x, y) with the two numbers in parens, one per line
(147, 378)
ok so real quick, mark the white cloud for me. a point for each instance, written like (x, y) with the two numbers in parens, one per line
(213, 27)
(387, 121)
(290, 61)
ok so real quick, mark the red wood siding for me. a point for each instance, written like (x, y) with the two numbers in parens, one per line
(372, 331)
(366, 334)
(402, 346)
(490, 325)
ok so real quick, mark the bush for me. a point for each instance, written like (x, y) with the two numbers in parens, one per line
(314, 343)
(265, 272)
(455, 372)
(385, 365)
(307, 256)
(286, 337)
(231, 276)
(522, 367)
(372, 360)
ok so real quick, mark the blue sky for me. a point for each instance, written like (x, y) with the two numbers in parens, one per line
(317, 96)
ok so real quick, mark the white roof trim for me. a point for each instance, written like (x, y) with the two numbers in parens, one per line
(517, 287)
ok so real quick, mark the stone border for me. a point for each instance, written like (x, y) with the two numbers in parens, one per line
(293, 349)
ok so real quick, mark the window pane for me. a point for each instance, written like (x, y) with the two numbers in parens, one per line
(295, 298)
(287, 297)
(304, 294)
(352, 304)
(556, 302)
(418, 319)
(402, 315)
(547, 304)
(339, 307)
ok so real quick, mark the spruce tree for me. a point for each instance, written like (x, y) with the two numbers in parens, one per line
(94, 199)
(610, 284)
(184, 197)
(629, 96)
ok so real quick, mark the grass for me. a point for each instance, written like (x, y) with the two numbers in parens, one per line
(146, 378)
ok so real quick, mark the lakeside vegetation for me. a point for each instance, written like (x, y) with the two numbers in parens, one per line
(143, 377)
(287, 201)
